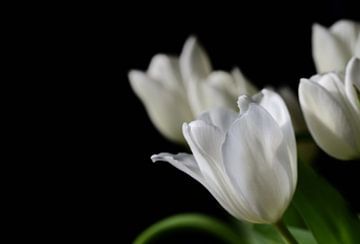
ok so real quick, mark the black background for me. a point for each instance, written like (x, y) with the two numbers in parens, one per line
(271, 43)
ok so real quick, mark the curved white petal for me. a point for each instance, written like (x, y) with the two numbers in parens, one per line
(194, 61)
(182, 161)
(205, 143)
(255, 167)
(166, 70)
(332, 83)
(328, 52)
(352, 79)
(187, 163)
(347, 32)
(353, 72)
(327, 120)
(357, 47)
(167, 109)
(220, 117)
(210, 93)
(244, 87)
(276, 107)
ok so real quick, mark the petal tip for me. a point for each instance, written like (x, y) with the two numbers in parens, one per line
(317, 26)
(156, 158)
(134, 74)
(243, 103)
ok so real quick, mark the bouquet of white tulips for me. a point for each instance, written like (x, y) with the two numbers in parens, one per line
(248, 147)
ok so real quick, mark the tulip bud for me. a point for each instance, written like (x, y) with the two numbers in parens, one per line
(331, 107)
(333, 47)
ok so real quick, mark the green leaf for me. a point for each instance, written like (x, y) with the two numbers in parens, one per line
(293, 218)
(260, 234)
(190, 222)
(324, 210)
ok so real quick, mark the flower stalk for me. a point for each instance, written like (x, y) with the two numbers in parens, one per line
(285, 233)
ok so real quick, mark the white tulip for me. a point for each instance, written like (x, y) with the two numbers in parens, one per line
(331, 106)
(162, 92)
(247, 161)
(333, 47)
(207, 88)
(176, 90)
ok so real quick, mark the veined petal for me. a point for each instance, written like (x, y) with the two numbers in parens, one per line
(347, 32)
(328, 52)
(332, 83)
(244, 87)
(336, 87)
(357, 47)
(327, 120)
(253, 165)
(194, 61)
(187, 163)
(205, 142)
(276, 107)
(220, 117)
(160, 104)
(352, 79)
(182, 161)
(166, 70)
(210, 93)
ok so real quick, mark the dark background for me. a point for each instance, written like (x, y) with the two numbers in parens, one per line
(269, 42)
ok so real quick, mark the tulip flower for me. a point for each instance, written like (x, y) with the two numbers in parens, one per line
(247, 161)
(176, 90)
(331, 107)
(334, 47)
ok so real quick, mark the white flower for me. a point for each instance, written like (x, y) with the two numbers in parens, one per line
(176, 90)
(331, 106)
(333, 47)
(248, 162)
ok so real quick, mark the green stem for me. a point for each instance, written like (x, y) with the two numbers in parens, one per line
(285, 233)
(189, 222)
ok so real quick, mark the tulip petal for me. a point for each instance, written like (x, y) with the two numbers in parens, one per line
(166, 70)
(276, 106)
(220, 117)
(357, 48)
(327, 120)
(187, 163)
(328, 52)
(205, 142)
(182, 161)
(194, 61)
(347, 32)
(332, 83)
(352, 79)
(212, 92)
(353, 72)
(161, 105)
(251, 160)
